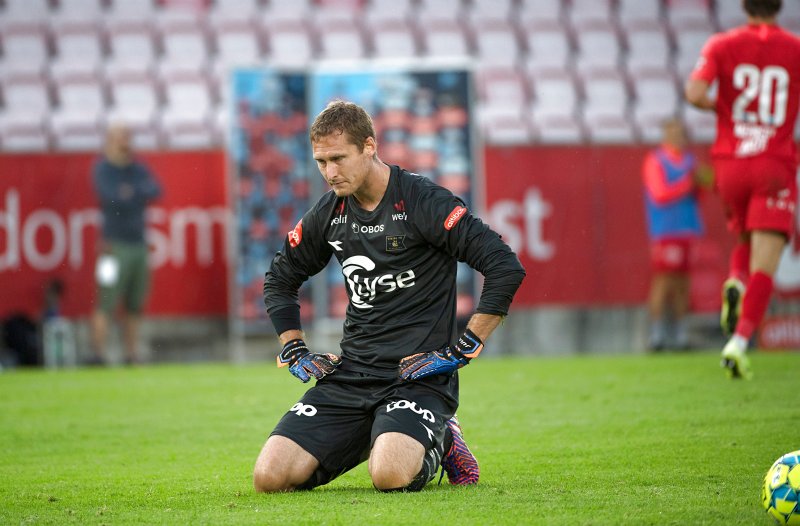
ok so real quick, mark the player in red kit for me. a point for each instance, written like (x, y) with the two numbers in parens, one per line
(757, 68)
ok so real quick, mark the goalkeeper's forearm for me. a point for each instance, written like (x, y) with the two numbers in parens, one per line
(483, 325)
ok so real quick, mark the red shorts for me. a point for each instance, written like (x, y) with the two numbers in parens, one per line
(758, 194)
(670, 255)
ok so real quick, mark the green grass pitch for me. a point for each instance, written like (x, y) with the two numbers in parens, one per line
(663, 439)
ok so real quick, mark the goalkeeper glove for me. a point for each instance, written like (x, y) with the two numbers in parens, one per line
(304, 364)
(444, 361)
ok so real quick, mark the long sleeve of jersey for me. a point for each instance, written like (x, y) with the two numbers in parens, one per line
(462, 235)
(661, 190)
(304, 254)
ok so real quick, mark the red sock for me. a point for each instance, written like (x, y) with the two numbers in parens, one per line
(754, 304)
(740, 262)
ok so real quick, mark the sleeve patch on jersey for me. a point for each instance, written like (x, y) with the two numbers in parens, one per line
(296, 235)
(454, 217)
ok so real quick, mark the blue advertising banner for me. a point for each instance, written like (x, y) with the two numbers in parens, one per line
(269, 152)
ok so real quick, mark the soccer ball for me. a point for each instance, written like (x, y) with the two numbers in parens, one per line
(781, 491)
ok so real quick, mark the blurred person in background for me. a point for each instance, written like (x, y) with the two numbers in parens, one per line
(757, 70)
(671, 182)
(391, 397)
(124, 188)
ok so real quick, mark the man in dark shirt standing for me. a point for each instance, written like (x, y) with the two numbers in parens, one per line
(124, 188)
(392, 395)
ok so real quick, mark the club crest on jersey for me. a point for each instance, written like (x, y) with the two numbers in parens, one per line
(296, 235)
(395, 243)
(454, 217)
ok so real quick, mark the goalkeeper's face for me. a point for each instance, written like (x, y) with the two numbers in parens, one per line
(343, 165)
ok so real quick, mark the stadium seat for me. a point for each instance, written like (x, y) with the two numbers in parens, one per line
(23, 120)
(393, 39)
(436, 11)
(19, 14)
(496, 45)
(237, 44)
(491, 11)
(688, 44)
(280, 14)
(606, 98)
(608, 129)
(730, 14)
(78, 52)
(185, 44)
(555, 97)
(24, 52)
(649, 50)
(683, 13)
(76, 123)
(186, 118)
(134, 101)
(502, 88)
(325, 18)
(445, 39)
(548, 49)
(559, 130)
(656, 100)
(584, 12)
(130, 11)
(389, 12)
(633, 12)
(77, 12)
(507, 131)
(226, 11)
(132, 49)
(536, 12)
(700, 125)
(341, 41)
(598, 49)
(290, 45)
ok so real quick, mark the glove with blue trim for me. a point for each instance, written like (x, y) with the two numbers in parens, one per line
(443, 361)
(304, 364)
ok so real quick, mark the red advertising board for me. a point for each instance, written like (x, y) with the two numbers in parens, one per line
(49, 228)
(575, 216)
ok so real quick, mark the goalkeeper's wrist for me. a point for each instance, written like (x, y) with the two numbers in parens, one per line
(469, 345)
(292, 351)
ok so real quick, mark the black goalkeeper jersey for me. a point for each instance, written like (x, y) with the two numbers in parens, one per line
(399, 265)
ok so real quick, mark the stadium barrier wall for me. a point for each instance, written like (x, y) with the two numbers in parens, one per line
(573, 214)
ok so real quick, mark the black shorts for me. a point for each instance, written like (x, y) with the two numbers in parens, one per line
(338, 420)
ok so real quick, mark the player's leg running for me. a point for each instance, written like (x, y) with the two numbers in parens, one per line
(767, 247)
(459, 463)
(732, 293)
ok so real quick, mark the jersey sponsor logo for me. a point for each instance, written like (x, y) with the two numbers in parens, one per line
(364, 290)
(454, 217)
(296, 235)
(400, 206)
(395, 243)
(366, 229)
(399, 217)
(301, 409)
(339, 220)
(412, 406)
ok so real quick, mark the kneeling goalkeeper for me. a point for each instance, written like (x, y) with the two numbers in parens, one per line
(391, 397)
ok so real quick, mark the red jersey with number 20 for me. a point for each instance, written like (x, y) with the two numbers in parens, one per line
(758, 69)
